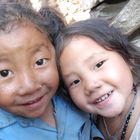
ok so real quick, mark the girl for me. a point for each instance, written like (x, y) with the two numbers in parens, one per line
(101, 70)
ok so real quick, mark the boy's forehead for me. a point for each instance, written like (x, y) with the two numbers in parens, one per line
(17, 24)
(25, 33)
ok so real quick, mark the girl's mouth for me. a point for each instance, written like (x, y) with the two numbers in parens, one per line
(104, 97)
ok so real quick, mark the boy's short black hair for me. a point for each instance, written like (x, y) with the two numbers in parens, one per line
(47, 19)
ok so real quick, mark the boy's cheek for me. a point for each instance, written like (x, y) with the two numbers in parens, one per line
(49, 77)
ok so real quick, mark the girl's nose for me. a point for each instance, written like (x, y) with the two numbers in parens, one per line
(91, 85)
(28, 84)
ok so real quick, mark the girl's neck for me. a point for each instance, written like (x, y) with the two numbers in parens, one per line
(114, 123)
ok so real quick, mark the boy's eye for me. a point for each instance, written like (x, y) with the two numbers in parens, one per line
(98, 65)
(41, 62)
(75, 82)
(5, 73)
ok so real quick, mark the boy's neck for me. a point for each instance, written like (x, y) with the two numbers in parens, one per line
(48, 116)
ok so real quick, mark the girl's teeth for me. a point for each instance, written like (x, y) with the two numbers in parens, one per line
(103, 97)
(110, 93)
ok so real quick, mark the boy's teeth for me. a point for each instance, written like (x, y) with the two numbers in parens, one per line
(32, 102)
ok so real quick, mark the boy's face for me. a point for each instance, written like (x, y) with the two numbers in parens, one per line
(99, 81)
(28, 72)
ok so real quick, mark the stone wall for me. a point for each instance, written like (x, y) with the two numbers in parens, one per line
(71, 9)
(123, 14)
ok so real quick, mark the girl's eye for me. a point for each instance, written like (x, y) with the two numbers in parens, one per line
(75, 82)
(5, 73)
(98, 65)
(41, 62)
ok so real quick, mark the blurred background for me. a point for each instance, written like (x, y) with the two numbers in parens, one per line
(123, 14)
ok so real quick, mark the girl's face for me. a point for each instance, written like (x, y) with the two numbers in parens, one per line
(28, 72)
(99, 81)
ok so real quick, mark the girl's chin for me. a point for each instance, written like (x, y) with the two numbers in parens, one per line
(111, 113)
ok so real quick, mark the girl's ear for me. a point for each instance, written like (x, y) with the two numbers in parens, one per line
(131, 64)
(131, 67)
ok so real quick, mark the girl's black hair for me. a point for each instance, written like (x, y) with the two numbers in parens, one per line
(105, 35)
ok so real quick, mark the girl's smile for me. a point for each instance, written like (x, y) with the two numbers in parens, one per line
(94, 78)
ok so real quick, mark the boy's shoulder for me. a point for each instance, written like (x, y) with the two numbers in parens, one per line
(6, 118)
(69, 117)
(62, 103)
(13, 127)
(61, 100)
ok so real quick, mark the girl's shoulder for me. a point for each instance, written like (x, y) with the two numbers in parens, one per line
(136, 131)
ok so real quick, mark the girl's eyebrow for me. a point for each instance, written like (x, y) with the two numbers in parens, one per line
(67, 75)
(94, 55)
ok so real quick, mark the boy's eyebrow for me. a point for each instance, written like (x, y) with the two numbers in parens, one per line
(3, 57)
(38, 47)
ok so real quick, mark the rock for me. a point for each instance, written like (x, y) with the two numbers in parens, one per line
(128, 20)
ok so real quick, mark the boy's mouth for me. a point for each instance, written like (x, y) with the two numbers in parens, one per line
(33, 101)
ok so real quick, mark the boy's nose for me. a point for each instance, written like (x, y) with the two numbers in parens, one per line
(28, 84)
